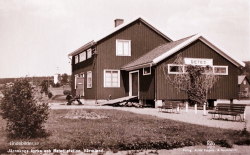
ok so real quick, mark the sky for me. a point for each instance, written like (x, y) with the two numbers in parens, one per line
(36, 36)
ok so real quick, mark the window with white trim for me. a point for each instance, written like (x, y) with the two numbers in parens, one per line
(147, 71)
(89, 53)
(220, 70)
(111, 78)
(176, 69)
(89, 79)
(82, 56)
(76, 59)
(123, 48)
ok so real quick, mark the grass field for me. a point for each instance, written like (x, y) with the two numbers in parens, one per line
(123, 131)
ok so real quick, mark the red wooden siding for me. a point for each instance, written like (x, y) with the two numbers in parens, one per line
(225, 88)
(84, 67)
(143, 39)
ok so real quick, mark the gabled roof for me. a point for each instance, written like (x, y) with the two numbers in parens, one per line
(241, 78)
(146, 22)
(162, 52)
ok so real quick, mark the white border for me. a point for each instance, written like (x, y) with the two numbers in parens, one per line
(104, 71)
(220, 73)
(89, 53)
(169, 72)
(123, 40)
(130, 82)
(149, 71)
(88, 80)
(82, 56)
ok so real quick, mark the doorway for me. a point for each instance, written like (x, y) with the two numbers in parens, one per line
(134, 83)
(80, 86)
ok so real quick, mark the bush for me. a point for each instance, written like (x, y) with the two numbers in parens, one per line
(50, 95)
(24, 114)
(67, 92)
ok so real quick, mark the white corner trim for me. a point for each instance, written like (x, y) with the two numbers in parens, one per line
(177, 48)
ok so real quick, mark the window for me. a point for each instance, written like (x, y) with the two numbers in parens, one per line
(76, 59)
(89, 53)
(111, 78)
(123, 47)
(82, 56)
(220, 70)
(89, 79)
(176, 69)
(147, 71)
(244, 82)
(76, 76)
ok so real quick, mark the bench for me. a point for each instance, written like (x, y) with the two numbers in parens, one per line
(228, 109)
(169, 105)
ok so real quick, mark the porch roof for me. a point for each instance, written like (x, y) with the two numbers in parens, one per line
(163, 51)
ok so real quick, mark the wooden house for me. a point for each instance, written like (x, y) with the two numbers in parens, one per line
(130, 61)
(244, 85)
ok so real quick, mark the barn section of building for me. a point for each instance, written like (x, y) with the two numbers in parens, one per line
(130, 61)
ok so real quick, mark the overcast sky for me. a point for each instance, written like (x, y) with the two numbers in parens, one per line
(36, 36)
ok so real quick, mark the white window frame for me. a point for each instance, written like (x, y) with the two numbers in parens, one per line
(220, 73)
(82, 56)
(89, 53)
(148, 72)
(89, 82)
(169, 72)
(129, 44)
(104, 78)
(76, 59)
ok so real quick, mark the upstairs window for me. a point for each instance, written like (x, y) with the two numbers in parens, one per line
(82, 56)
(123, 48)
(89, 79)
(89, 53)
(76, 59)
(111, 78)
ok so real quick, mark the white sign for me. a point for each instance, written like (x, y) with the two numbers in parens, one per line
(198, 61)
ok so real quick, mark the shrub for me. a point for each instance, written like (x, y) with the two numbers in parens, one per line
(24, 114)
(57, 85)
(67, 92)
(50, 95)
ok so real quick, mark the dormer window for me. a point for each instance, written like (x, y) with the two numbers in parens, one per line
(123, 48)
(89, 53)
(82, 56)
(76, 59)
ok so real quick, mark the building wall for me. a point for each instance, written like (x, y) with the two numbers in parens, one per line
(143, 39)
(225, 88)
(84, 67)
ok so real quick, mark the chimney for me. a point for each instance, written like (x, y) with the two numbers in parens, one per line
(118, 22)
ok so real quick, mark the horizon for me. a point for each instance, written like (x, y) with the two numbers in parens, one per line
(37, 36)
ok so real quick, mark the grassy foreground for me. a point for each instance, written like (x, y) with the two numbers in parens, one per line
(122, 131)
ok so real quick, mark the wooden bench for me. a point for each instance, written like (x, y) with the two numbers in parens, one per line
(228, 109)
(169, 105)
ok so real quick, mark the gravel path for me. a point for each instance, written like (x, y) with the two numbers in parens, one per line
(189, 117)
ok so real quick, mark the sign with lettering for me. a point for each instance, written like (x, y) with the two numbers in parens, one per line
(198, 61)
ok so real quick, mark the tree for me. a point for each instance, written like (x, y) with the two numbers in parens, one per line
(64, 79)
(24, 114)
(196, 81)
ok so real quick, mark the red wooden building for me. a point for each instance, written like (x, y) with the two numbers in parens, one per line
(129, 61)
